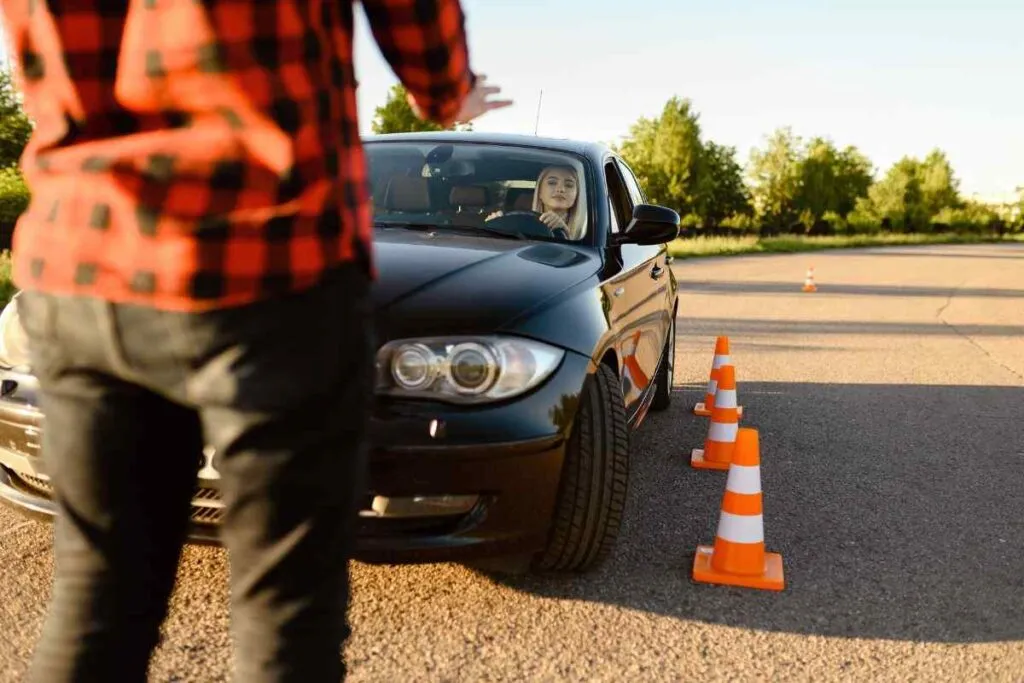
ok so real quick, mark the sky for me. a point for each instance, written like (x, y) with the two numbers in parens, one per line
(894, 78)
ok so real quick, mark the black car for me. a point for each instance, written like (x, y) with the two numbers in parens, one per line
(526, 311)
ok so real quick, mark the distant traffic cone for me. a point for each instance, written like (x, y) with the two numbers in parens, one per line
(704, 408)
(809, 285)
(721, 439)
(738, 557)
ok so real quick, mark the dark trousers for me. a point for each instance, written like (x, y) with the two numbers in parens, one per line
(130, 395)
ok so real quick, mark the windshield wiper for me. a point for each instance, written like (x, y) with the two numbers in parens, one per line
(410, 225)
(489, 231)
(404, 225)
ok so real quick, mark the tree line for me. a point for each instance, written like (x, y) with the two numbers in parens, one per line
(788, 185)
(800, 186)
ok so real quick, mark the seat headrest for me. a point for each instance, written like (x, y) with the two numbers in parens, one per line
(523, 202)
(468, 195)
(405, 193)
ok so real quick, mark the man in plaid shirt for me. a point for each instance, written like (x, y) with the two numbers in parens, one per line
(195, 263)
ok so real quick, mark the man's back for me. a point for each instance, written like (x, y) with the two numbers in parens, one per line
(197, 156)
(191, 155)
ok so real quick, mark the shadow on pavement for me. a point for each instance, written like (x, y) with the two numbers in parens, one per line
(897, 510)
(826, 287)
(747, 345)
(948, 254)
(740, 327)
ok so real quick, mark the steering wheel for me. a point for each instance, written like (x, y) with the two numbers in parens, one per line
(528, 223)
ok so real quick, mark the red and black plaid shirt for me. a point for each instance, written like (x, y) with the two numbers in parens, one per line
(190, 155)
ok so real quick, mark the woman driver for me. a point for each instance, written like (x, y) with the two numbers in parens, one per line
(556, 200)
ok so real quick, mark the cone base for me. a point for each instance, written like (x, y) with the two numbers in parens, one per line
(772, 579)
(811, 288)
(702, 410)
(698, 461)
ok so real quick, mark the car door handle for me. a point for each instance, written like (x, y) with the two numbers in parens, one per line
(657, 271)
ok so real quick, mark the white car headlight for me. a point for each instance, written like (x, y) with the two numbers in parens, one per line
(13, 340)
(464, 369)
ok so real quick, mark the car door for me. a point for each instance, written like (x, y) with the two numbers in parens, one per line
(651, 291)
(629, 293)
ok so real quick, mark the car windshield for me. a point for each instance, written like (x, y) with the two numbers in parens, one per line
(488, 188)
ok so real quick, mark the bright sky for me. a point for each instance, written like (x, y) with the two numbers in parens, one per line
(893, 77)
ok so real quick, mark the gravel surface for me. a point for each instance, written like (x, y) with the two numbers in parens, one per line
(890, 405)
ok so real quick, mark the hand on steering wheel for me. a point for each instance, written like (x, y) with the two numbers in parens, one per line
(553, 221)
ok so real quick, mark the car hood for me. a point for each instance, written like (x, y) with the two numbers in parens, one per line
(433, 283)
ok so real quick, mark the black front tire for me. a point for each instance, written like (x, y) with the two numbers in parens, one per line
(592, 493)
(663, 382)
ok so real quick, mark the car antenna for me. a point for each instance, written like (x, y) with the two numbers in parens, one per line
(540, 99)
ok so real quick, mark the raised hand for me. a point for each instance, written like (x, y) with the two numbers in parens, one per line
(478, 102)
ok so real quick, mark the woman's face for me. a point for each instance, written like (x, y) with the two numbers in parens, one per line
(558, 190)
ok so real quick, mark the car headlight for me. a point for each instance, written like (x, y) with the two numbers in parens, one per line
(13, 340)
(464, 369)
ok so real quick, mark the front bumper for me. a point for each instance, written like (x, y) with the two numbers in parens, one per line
(444, 483)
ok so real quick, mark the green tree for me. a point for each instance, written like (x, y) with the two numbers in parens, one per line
(15, 126)
(898, 200)
(831, 181)
(15, 130)
(774, 175)
(14, 195)
(817, 188)
(940, 189)
(853, 179)
(666, 154)
(914, 193)
(397, 116)
(723, 193)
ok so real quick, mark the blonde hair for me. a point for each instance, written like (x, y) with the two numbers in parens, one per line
(577, 217)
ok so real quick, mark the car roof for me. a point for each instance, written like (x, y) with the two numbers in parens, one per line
(593, 150)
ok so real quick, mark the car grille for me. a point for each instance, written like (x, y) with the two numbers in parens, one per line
(207, 507)
(37, 483)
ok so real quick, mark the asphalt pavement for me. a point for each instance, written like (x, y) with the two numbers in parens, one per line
(890, 405)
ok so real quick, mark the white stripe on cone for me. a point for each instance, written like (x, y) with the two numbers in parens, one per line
(741, 528)
(720, 361)
(744, 479)
(723, 431)
(712, 386)
(726, 398)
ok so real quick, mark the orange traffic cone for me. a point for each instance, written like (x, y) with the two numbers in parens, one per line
(809, 285)
(721, 438)
(738, 557)
(704, 408)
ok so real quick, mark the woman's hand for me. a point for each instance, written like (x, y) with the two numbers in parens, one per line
(554, 221)
(497, 214)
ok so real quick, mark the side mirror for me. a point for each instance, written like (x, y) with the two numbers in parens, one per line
(651, 224)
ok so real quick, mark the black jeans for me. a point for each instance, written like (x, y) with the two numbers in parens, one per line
(130, 395)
